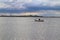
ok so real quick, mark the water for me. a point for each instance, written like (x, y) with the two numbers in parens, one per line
(25, 28)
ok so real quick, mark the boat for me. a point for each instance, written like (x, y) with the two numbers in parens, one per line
(39, 20)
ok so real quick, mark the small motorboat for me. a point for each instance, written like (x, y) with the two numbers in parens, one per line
(39, 20)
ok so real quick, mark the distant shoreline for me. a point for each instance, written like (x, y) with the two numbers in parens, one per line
(34, 16)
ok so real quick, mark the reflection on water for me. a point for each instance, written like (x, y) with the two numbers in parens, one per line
(25, 28)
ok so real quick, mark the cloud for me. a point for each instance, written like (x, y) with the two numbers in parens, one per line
(20, 3)
(15, 3)
(2, 5)
(29, 5)
(50, 13)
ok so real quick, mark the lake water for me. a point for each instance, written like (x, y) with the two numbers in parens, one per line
(25, 28)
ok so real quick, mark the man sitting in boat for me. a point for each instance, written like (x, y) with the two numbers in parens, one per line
(38, 19)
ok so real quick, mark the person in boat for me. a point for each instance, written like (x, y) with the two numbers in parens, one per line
(38, 19)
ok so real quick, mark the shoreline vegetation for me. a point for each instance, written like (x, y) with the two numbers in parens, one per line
(29, 16)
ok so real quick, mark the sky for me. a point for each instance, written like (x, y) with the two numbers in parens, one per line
(28, 5)
(24, 3)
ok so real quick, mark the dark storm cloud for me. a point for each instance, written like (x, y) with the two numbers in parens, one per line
(29, 9)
